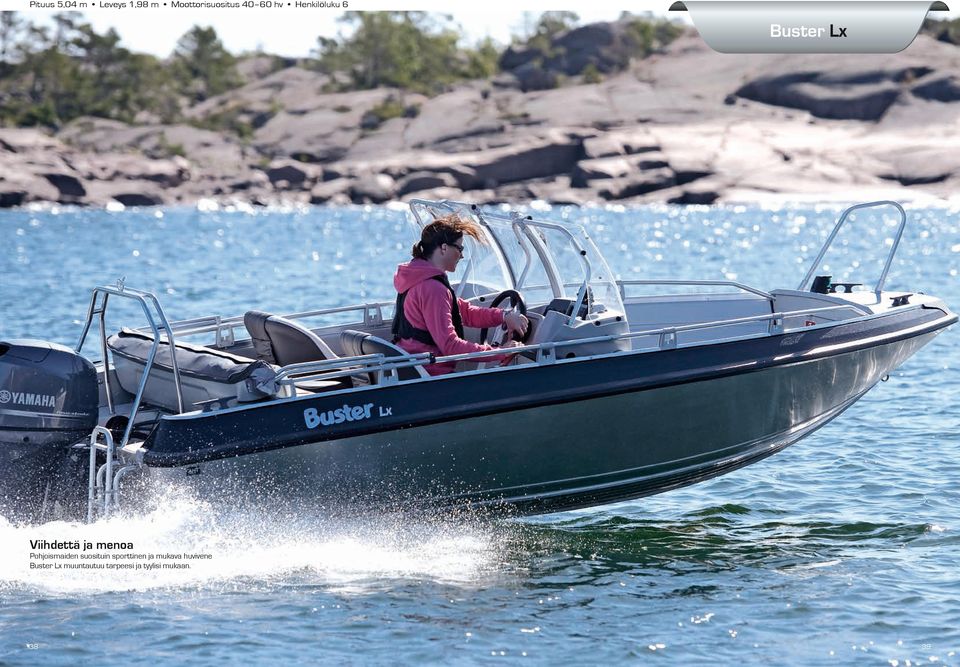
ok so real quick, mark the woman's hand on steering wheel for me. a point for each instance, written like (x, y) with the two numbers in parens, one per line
(516, 323)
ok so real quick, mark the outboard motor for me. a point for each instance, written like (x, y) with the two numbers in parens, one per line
(49, 400)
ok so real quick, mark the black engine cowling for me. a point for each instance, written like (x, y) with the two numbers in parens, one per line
(49, 400)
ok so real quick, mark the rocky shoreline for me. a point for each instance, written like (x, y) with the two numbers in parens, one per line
(686, 126)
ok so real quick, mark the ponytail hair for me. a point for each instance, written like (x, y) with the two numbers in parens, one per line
(446, 229)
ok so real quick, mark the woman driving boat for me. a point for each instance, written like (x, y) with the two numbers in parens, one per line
(429, 317)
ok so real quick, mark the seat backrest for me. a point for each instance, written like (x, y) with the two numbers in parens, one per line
(256, 321)
(284, 340)
(358, 343)
(352, 342)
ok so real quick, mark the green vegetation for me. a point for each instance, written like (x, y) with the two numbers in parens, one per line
(641, 35)
(649, 34)
(944, 31)
(168, 149)
(550, 26)
(591, 74)
(50, 76)
(410, 50)
(202, 67)
(545, 61)
(231, 119)
(391, 107)
(379, 114)
(481, 62)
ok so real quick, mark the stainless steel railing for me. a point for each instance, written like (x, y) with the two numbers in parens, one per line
(704, 283)
(667, 338)
(224, 326)
(805, 283)
(156, 320)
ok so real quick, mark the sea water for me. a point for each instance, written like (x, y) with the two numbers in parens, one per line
(842, 549)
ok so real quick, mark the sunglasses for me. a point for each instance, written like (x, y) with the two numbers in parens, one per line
(458, 247)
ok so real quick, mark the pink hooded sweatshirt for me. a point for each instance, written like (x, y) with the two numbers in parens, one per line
(428, 306)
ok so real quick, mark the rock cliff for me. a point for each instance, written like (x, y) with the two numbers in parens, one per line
(686, 125)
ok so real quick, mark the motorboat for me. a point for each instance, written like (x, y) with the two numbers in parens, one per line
(619, 391)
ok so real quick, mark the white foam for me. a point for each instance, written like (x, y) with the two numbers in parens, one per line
(251, 549)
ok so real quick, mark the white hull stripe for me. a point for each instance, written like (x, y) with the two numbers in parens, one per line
(54, 415)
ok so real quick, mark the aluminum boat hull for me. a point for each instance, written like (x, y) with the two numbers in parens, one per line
(537, 439)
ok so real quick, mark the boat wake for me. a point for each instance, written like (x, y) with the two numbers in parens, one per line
(209, 546)
(186, 542)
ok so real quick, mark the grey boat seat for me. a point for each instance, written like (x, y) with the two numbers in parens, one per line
(359, 343)
(277, 340)
(280, 341)
(205, 373)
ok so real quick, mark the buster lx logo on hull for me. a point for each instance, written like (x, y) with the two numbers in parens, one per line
(348, 413)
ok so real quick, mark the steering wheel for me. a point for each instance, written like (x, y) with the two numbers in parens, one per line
(517, 302)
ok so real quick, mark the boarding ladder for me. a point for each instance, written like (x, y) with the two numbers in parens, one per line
(103, 484)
